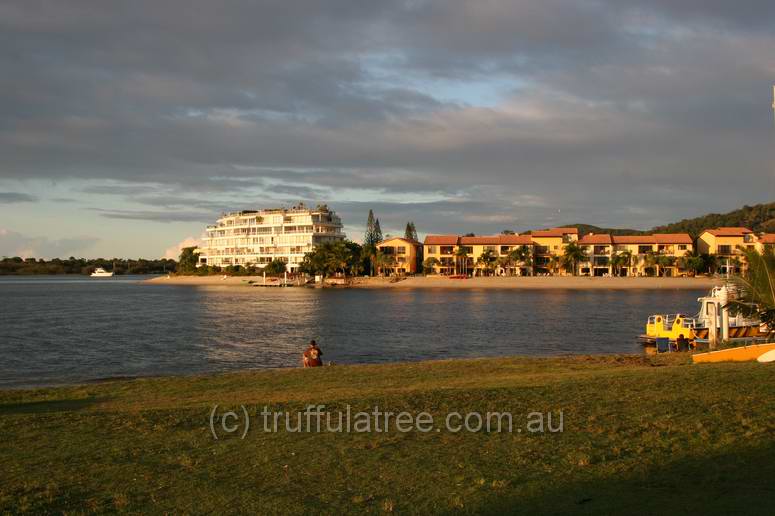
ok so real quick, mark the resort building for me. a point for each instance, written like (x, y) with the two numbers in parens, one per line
(649, 255)
(441, 249)
(550, 247)
(725, 245)
(400, 256)
(256, 238)
(477, 255)
(598, 251)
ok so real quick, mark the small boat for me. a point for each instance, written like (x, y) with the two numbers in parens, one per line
(99, 272)
(697, 328)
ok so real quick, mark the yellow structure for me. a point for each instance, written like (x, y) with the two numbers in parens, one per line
(725, 244)
(550, 247)
(739, 354)
(477, 255)
(402, 256)
(644, 255)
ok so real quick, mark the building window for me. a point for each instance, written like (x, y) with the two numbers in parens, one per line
(401, 249)
(682, 247)
(431, 249)
(725, 249)
(644, 249)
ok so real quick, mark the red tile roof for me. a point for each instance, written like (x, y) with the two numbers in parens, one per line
(407, 240)
(729, 231)
(555, 232)
(441, 240)
(634, 239)
(497, 240)
(767, 238)
(672, 238)
(590, 239)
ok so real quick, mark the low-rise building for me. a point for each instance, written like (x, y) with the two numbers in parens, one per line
(649, 255)
(598, 249)
(549, 248)
(725, 244)
(257, 237)
(400, 256)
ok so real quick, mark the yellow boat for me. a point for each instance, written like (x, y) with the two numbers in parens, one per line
(696, 328)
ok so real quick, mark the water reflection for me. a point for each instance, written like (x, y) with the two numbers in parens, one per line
(67, 331)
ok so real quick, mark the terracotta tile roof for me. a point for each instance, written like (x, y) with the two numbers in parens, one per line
(672, 238)
(555, 232)
(728, 231)
(634, 239)
(590, 239)
(515, 240)
(407, 240)
(497, 240)
(767, 238)
(441, 240)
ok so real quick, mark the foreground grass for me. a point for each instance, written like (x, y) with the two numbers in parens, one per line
(641, 435)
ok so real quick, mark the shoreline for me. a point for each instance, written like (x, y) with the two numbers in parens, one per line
(479, 283)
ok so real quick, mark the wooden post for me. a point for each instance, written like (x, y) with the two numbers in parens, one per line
(713, 327)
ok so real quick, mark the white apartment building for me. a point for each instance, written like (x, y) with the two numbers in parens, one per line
(258, 237)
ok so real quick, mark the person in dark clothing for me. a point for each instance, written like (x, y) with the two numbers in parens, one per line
(682, 343)
(312, 356)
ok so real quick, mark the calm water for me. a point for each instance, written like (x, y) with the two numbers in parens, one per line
(56, 330)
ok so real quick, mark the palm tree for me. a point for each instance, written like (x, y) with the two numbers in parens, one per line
(652, 260)
(756, 289)
(622, 259)
(505, 263)
(574, 254)
(554, 263)
(487, 260)
(384, 261)
(461, 255)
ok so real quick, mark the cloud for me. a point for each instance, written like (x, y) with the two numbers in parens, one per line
(593, 108)
(15, 197)
(17, 244)
(173, 252)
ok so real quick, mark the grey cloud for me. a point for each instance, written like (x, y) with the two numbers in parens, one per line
(156, 216)
(604, 105)
(15, 197)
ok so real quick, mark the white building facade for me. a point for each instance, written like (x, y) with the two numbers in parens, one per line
(258, 237)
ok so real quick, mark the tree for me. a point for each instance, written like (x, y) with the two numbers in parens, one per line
(410, 232)
(573, 255)
(461, 256)
(370, 237)
(187, 260)
(377, 232)
(487, 260)
(756, 289)
(385, 261)
(275, 267)
(429, 264)
(620, 260)
(524, 257)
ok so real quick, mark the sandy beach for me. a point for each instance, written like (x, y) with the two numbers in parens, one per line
(442, 282)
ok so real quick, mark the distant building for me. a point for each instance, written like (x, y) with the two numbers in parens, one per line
(258, 237)
(404, 256)
(725, 245)
(644, 249)
(766, 242)
(550, 247)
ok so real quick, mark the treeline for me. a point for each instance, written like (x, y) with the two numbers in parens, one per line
(72, 265)
(758, 218)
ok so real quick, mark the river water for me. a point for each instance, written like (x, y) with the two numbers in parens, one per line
(61, 330)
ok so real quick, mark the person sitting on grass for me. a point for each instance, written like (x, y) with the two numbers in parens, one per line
(312, 356)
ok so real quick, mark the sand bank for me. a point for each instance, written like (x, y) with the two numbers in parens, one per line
(554, 282)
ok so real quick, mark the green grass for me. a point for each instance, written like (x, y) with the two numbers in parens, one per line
(642, 435)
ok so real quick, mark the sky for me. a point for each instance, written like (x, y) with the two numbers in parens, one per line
(127, 126)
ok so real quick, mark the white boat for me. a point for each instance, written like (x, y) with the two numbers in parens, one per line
(99, 272)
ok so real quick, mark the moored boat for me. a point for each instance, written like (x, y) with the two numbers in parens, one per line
(99, 272)
(711, 314)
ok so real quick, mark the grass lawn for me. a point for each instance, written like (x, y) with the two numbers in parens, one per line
(642, 435)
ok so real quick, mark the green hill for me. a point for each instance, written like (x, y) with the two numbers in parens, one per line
(759, 218)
